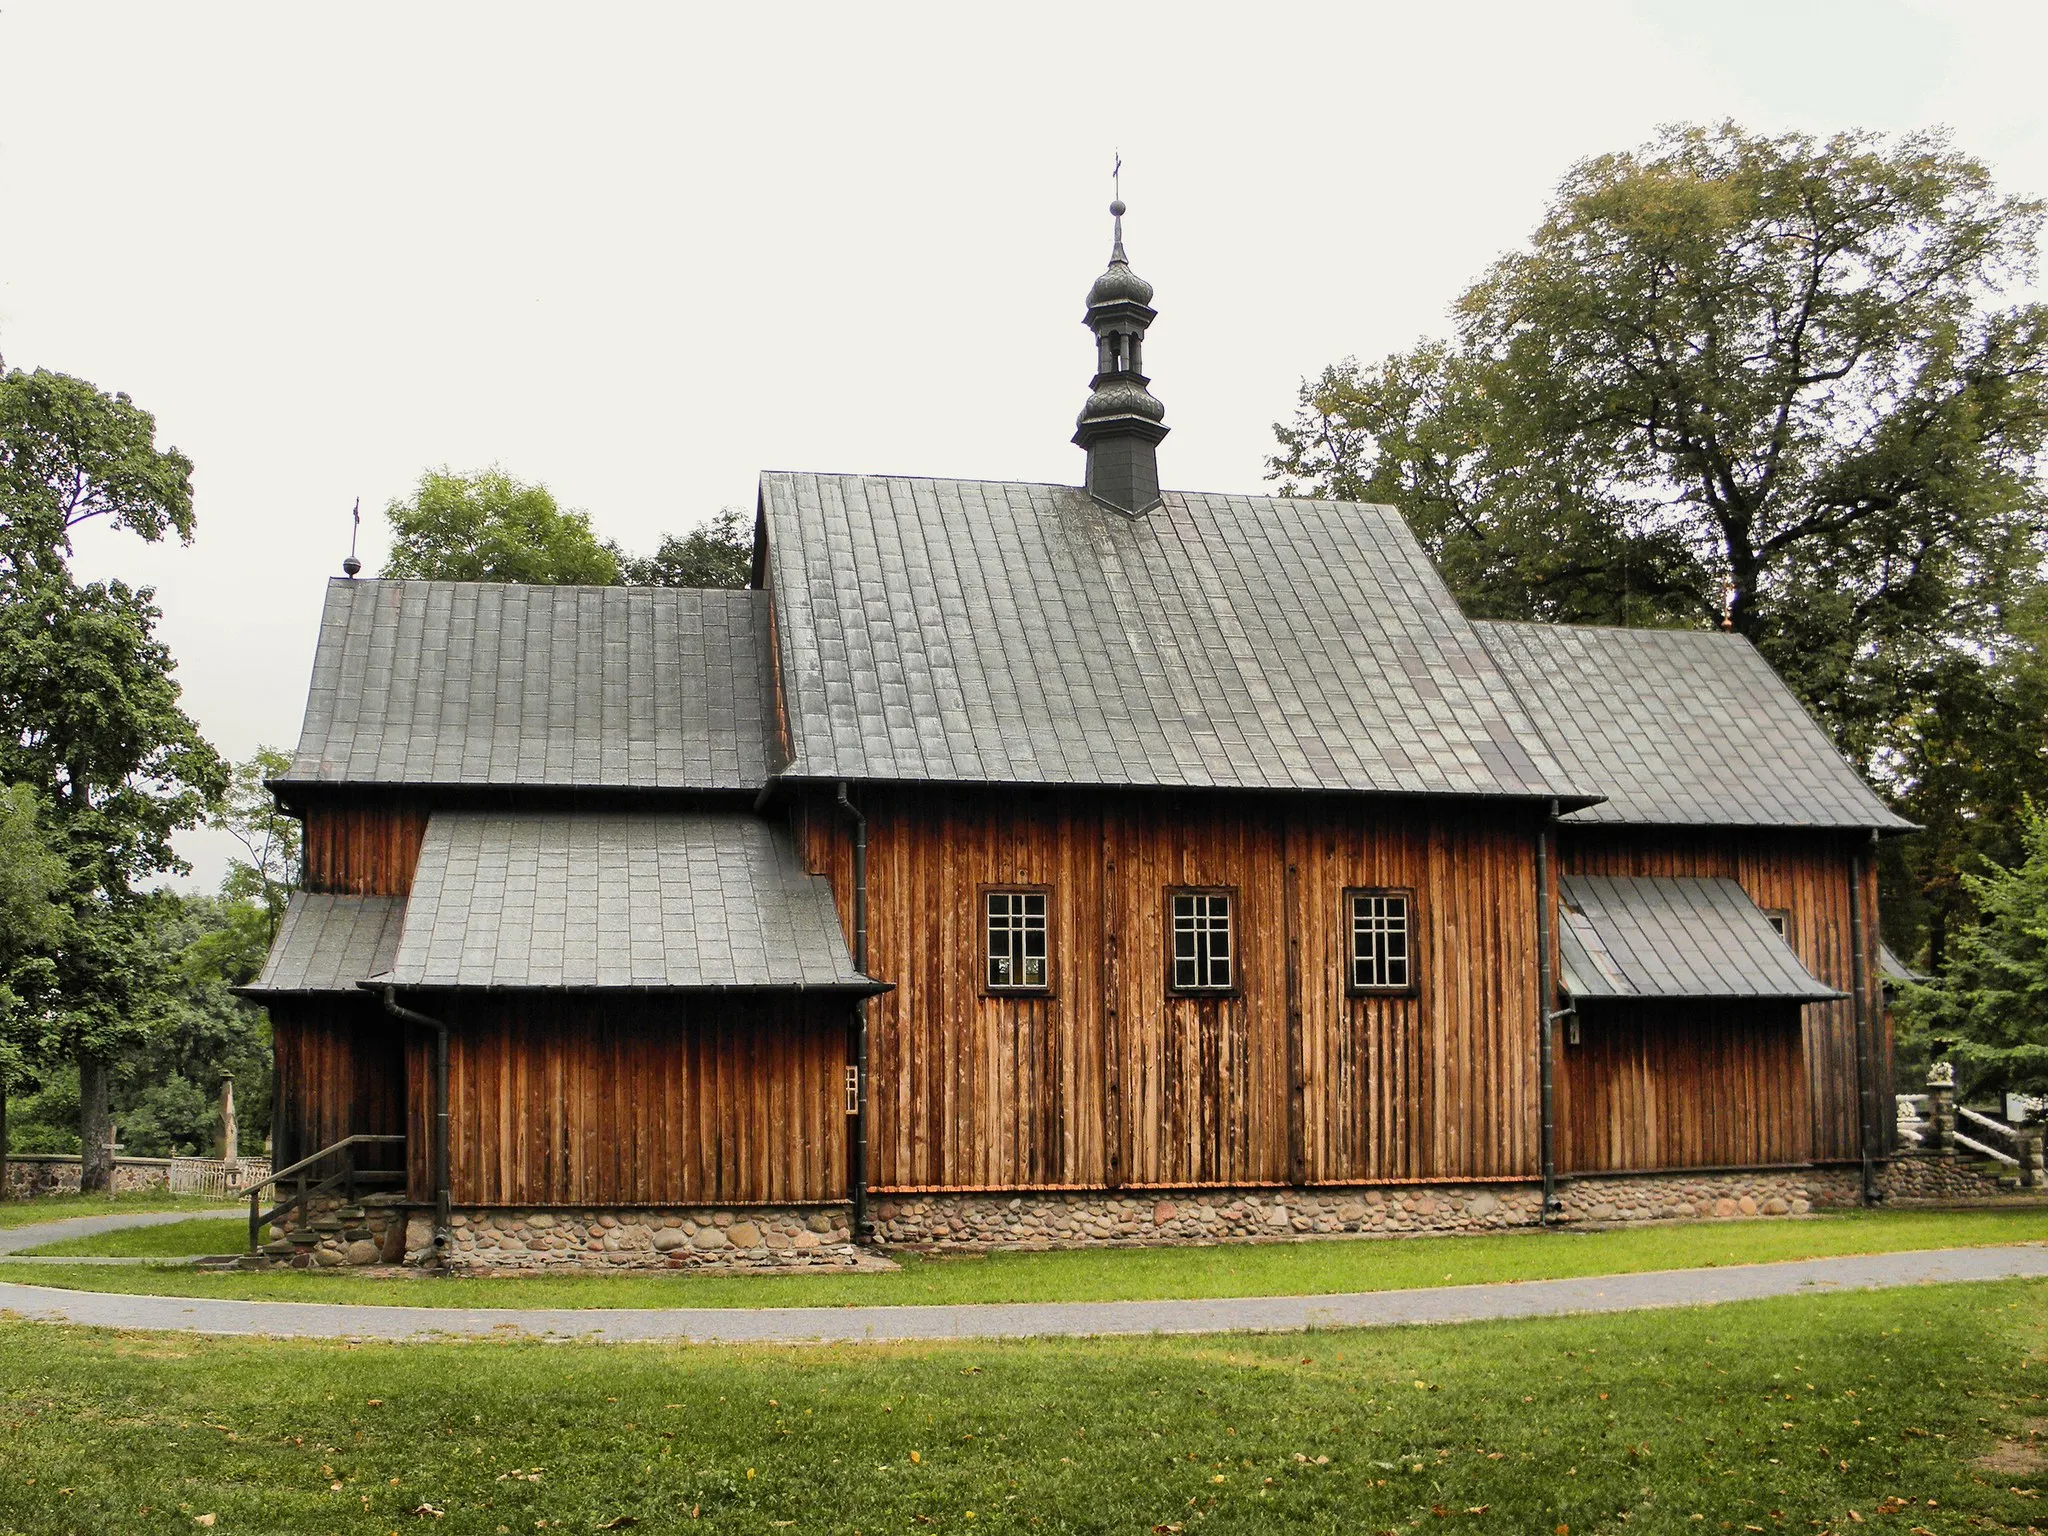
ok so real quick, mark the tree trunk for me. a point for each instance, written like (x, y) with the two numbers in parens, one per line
(95, 1125)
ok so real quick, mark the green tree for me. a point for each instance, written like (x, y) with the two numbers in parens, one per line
(720, 553)
(1991, 1008)
(490, 527)
(269, 837)
(70, 453)
(90, 719)
(31, 875)
(1765, 376)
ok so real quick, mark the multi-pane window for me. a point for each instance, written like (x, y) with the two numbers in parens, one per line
(1381, 958)
(1204, 954)
(1016, 941)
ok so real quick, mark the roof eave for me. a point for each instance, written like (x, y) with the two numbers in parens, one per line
(865, 987)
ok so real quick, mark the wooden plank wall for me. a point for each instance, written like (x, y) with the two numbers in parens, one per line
(1807, 875)
(1110, 1081)
(618, 1102)
(1683, 1085)
(364, 847)
(340, 1072)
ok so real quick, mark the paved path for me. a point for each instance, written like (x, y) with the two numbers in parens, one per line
(1446, 1304)
(14, 1239)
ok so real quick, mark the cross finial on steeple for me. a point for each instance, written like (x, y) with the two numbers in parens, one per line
(1116, 210)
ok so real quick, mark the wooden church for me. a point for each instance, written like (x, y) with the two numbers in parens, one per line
(1040, 863)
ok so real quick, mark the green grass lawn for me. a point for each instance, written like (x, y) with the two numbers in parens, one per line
(202, 1234)
(1115, 1274)
(28, 1213)
(1780, 1415)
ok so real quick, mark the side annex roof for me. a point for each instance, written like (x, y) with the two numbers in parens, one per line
(1666, 936)
(975, 631)
(1681, 728)
(487, 684)
(329, 943)
(588, 901)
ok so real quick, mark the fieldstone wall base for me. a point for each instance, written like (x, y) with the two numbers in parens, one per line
(383, 1230)
(1078, 1219)
(328, 1234)
(778, 1237)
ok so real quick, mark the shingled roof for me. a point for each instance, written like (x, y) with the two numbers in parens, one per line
(329, 943)
(1007, 633)
(485, 684)
(1674, 937)
(593, 900)
(1681, 728)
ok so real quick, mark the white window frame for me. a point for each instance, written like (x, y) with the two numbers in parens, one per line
(1197, 964)
(1018, 916)
(1379, 954)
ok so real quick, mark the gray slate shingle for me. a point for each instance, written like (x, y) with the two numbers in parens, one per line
(595, 899)
(976, 631)
(329, 943)
(481, 683)
(1681, 727)
(1674, 937)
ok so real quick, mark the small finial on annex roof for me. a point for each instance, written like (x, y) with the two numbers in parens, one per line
(352, 567)
(1728, 609)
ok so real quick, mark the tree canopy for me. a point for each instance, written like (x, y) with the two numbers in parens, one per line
(1991, 1008)
(91, 727)
(1770, 378)
(488, 526)
(720, 553)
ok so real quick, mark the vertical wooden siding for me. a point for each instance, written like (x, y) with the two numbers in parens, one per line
(591, 1102)
(1683, 1085)
(1112, 1081)
(363, 847)
(1805, 874)
(340, 1072)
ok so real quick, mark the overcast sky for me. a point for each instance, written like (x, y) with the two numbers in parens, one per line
(643, 252)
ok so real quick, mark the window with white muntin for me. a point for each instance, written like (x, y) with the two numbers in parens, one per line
(1382, 951)
(1204, 943)
(1019, 956)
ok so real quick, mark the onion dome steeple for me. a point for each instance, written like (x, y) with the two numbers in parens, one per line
(1122, 424)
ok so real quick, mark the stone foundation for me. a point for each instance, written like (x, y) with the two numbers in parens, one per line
(1078, 1219)
(383, 1230)
(779, 1237)
(329, 1234)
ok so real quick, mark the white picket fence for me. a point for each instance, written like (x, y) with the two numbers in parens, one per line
(216, 1176)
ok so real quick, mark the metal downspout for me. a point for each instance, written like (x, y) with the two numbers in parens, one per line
(863, 1229)
(1546, 1014)
(1860, 1016)
(440, 1149)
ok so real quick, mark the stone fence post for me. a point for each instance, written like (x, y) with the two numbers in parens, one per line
(1940, 1135)
(2029, 1140)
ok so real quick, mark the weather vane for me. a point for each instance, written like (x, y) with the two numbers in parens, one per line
(352, 565)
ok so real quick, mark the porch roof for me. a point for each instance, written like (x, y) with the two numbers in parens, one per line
(617, 901)
(1674, 937)
(330, 943)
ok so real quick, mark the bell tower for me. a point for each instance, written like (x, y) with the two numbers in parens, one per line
(1121, 426)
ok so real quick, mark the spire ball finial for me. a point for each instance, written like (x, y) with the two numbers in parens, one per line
(1117, 208)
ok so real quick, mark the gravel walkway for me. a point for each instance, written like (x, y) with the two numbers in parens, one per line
(14, 1239)
(1448, 1304)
